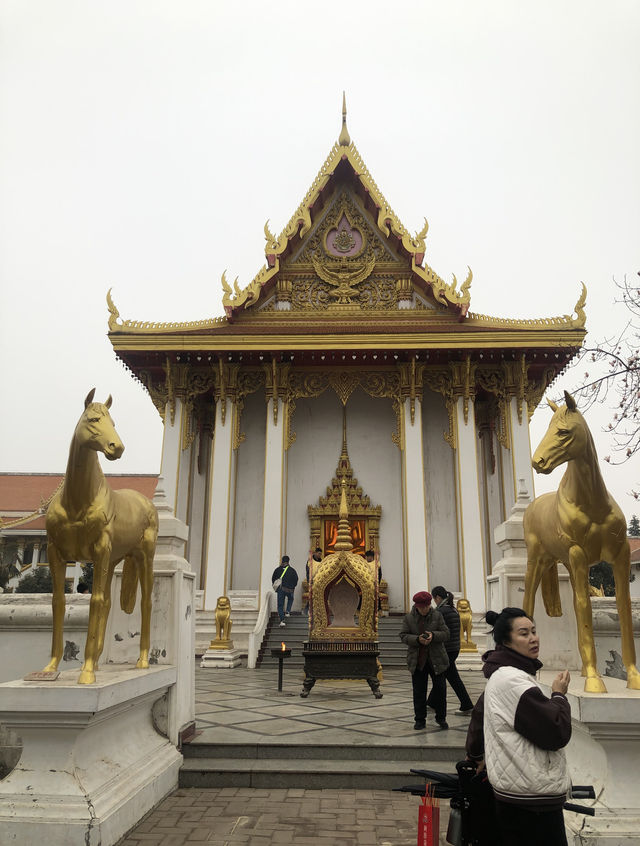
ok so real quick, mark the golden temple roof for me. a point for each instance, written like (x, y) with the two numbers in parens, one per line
(373, 290)
(388, 223)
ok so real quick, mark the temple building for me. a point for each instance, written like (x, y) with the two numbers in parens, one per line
(347, 357)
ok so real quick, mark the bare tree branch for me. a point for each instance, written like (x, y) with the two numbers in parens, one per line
(616, 362)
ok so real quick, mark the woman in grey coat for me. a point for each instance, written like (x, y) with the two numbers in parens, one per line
(425, 633)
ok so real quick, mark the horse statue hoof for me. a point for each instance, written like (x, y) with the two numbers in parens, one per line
(633, 678)
(142, 664)
(87, 677)
(594, 684)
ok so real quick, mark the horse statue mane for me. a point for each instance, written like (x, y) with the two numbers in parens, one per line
(88, 521)
(579, 525)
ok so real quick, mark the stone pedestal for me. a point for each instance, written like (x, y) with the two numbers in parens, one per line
(93, 762)
(221, 659)
(604, 751)
(470, 660)
(172, 620)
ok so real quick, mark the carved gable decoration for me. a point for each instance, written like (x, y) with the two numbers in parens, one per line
(344, 261)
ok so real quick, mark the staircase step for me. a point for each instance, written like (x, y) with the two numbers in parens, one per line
(307, 773)
(296, 631)
(414, 753)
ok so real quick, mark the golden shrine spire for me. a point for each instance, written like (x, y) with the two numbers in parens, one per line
(344, 140)
(344, 542)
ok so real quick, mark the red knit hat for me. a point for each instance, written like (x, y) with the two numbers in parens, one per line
(423, 597)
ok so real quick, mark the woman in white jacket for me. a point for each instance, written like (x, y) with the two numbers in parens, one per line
(521, 733)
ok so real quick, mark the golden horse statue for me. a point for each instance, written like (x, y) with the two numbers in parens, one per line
(87, 521)
(580, 524)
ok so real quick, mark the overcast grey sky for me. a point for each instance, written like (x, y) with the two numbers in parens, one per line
(143, 145)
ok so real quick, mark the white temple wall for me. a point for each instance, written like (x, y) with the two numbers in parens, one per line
(440, 485)
(377, 464)
(311, 464)
(249, 492)
(375, 459)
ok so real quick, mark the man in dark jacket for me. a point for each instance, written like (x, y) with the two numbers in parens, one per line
(425, 633)
(284, 580)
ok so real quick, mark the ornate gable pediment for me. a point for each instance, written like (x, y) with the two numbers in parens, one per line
(334, 268)
(344, 262)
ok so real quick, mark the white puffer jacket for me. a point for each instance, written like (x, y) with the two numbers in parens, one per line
(520, 732)
(517, 768)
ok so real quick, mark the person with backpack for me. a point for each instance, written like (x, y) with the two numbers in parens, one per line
(444, 603)
(284, 580)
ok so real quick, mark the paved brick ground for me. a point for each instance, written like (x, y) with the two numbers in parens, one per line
(230, 815)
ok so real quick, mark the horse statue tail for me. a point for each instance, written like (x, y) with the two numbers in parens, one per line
(129, 587)
(551, 591)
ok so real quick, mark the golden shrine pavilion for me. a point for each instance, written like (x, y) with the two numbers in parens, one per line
(346, 358)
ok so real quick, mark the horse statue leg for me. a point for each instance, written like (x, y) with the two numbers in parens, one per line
(579, 575)
(97, 612)
(58, 568)
(621, 570)
(550, 589)
(535, 571)
(145, 574)
(107, 609)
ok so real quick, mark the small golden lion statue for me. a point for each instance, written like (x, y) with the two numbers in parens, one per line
(223, 624)
(466, 623)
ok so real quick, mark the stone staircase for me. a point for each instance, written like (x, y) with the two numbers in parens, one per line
(315, 766)
(393, 653)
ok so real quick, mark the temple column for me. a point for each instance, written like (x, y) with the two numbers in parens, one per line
(470, 512)
(273, 510)
(197, 516)
(172, 450)
(275, 481)
(221, 504)
(417, 567)
(520, 446)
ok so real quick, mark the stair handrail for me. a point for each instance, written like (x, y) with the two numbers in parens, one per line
(256, 637)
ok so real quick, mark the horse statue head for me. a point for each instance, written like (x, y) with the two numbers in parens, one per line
(566, 438)
(96, 430)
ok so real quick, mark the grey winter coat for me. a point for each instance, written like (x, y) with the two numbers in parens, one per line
(436, 653)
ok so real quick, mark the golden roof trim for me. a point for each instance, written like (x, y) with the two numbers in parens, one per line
(500, 339)
(561, 321)
(116, 324)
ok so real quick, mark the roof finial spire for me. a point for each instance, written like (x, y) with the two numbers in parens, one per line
(344, 140)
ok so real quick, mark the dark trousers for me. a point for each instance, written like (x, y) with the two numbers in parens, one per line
(457, 685)
(420, 680)
(282, 595)
(525, 827)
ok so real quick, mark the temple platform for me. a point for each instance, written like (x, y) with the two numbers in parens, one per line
(249, 735)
